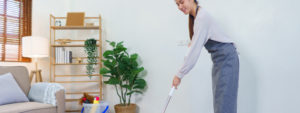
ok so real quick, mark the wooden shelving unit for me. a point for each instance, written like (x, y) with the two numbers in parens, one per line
(52, 64)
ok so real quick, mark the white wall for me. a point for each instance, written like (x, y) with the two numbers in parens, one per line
(266, 33)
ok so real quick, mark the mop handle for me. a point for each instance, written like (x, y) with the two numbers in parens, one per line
(173, 88)
(172, 91)
(170, 95)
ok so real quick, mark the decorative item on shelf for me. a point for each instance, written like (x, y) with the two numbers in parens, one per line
(91, 50)
(79, 60)
(122, 70)
(57, 23)
(63, 41)
(35, 47)
(75, 19)
(89, 24)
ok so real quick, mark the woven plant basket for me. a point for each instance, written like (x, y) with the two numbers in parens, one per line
(125, 109)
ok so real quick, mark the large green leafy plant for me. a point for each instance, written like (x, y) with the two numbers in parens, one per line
(122, 70)
(91, 50)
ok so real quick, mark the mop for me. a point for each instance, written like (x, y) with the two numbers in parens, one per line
(170, 95)
(172, 91)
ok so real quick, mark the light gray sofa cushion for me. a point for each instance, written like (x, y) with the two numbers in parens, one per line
(10, 90)
(20, 74)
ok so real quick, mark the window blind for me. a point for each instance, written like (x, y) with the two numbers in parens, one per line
(15, 23)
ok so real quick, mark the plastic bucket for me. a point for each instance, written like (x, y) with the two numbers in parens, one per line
(102, 107)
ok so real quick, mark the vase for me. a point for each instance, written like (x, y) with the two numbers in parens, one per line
(125, 109)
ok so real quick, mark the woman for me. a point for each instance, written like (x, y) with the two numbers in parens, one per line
(204, 31)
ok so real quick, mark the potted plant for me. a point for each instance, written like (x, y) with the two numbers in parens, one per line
(122, 70)
(91, 49)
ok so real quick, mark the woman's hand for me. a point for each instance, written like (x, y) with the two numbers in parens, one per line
(176, 82)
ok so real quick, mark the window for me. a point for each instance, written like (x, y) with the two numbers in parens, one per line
(15, 22)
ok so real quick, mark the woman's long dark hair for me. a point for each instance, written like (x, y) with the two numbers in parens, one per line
(191, 23)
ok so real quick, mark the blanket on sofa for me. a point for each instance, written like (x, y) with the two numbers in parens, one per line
(44, 92)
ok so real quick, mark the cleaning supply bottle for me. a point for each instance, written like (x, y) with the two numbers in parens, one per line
(85, 100)
(96, 100)
(94, 108)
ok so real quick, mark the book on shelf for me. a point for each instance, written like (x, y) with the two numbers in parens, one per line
(66, 57)
(62, 56)
(70, 56)
(56, 55)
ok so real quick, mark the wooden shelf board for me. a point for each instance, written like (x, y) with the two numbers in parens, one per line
(70, 45)
(83, 92)
(73, 81)
(84, 17)
(71, 100)
(74, 75)
(73, 111)
(73, 40)
(82, 57)
(74, 27)
(70, 63)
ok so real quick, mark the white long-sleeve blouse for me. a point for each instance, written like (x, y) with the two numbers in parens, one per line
(205, 27)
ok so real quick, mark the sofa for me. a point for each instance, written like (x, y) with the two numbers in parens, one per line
(20, 74)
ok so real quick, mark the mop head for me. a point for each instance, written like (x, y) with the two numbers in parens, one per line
(88, 97)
